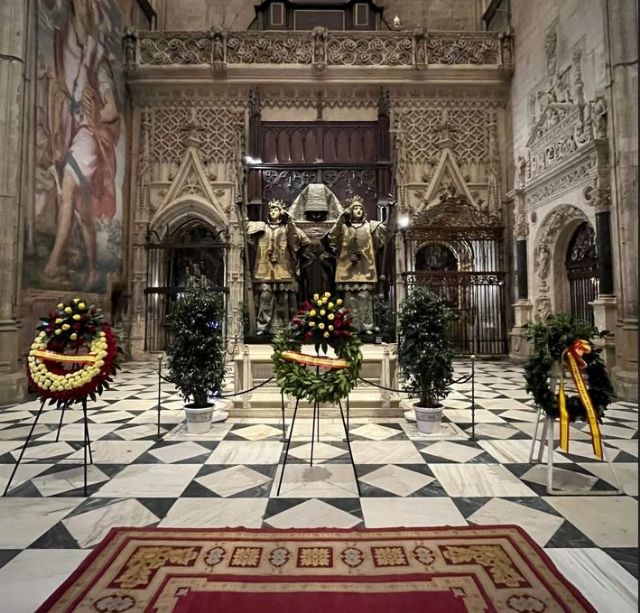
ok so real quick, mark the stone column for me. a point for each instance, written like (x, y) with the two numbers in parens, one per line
(16, 34)
(621, 19)
(518, 344)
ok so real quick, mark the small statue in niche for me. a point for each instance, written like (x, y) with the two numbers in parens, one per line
(196, 277)
(599, 118)
(279, 246)
(354, 239)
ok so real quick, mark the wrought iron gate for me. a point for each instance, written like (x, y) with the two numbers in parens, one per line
(582, 271)
(192, 256)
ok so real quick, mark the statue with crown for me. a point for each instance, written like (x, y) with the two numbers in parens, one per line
(279, 245)
(354, 241)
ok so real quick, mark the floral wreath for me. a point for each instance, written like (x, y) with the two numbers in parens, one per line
(560, 340)
(74, 355)
(324, 323)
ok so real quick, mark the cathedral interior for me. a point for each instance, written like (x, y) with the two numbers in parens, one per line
(271, 150)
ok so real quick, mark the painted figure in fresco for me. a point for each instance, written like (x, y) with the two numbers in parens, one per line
(84, 128)
(354, 239)
(279, 245)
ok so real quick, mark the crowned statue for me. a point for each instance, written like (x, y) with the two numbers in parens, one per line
(279, 245)
(354, 240)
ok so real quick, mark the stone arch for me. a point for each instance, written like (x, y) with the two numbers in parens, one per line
(551, 244)
(460, 249)
(185, 208)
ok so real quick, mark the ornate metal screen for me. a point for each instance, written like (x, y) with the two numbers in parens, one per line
(192, 256)
(582, 271)
(465, 265)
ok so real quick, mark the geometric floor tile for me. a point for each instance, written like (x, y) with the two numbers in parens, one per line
(626, 473)
(515, 452)
(410, 512)
(24, 473)
(114, 452)
(149, 481)
(90, 527)
(375, 432)
(562, 479)
(313, 514)
(538, 524)
(397, 480)
(215, 513)
(470, 480)
(178, 451)
(67, 480)
(257, 432)
(451, 451)
(318, 481)
(321, 451)
(609, 521)
(386, 452)
(246, 452)
(233, 480)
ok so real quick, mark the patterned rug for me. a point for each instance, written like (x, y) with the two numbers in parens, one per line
(377, 570)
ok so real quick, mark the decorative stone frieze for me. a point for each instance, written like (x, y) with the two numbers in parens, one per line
(318, 47)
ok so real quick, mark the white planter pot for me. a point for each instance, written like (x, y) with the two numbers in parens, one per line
(428, 419)
(199, 420)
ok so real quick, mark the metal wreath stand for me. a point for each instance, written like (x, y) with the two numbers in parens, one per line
(86, 440)
(547, 439)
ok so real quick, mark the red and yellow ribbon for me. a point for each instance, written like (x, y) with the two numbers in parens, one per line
(65, 358)
(572, 358)
(312, 360)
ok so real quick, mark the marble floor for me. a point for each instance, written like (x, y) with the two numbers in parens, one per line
(229, 478)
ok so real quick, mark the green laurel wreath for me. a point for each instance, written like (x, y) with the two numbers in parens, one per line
(550, 338)
(326, 386)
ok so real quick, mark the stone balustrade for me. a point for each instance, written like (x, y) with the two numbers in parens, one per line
(319, 48)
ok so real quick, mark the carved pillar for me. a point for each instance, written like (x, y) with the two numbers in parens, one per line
(15, 31)
(621, 18)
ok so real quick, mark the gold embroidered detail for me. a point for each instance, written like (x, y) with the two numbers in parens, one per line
(492, 557)
(142, 565)
(114, 603)
(526, 603)
(389, 556)
(246, 557)
(317, 557)
(352, 557)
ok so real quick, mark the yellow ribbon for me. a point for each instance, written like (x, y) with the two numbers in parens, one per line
(311, 360)
(63, 357)
(572, 358)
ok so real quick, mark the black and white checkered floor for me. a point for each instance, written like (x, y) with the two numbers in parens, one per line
(226, 478)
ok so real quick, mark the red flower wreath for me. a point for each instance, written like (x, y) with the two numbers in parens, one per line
(74, 355)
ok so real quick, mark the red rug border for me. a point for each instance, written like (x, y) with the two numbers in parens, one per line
(97, 550)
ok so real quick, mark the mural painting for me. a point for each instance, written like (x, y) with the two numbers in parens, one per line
(74, 230)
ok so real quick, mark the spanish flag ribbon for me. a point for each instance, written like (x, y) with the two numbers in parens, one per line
(312, 360)
(64, 358)
(572, 359)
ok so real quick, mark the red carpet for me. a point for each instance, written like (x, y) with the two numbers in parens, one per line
(399, 570)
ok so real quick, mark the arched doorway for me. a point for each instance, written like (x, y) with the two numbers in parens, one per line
(436, 257)
(582, 271)
(192, 255)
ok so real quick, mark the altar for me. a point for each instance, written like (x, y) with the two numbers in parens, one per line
(252, 366)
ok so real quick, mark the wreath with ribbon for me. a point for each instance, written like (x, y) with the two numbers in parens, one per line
(562, 345)
(74, 355)
(323, 322)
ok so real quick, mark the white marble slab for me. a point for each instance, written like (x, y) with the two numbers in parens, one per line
(538, 524)
(470, 480)
(516, 452)
(609, 521)
(313, 514)
(410, 512)
(482, 416)
(131, 404)
(386, 452)
(216, 433)
(114, 452)
(24, 473)
(23, 520)
(493, 430)
(258, 432)
(75, 432)
(34, 574)
(321, 452)
(624, 445)
(91, 527)
(627, 473)
(102, 417)
(141, 431)
(562, 479)
(319, 481)
(149, 481)
(524, 414)
(452, 451)
(215, 513)
(67, 480)
(14, 415)
(375, 432)
(43, 452)
(505, 404)
(20, 433)
(246, 452)
(599, 578)
(179, 451)
(397, 480)
(233, 480)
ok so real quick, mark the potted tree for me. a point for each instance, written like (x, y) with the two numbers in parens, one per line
(425, 354)
(196, 354)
